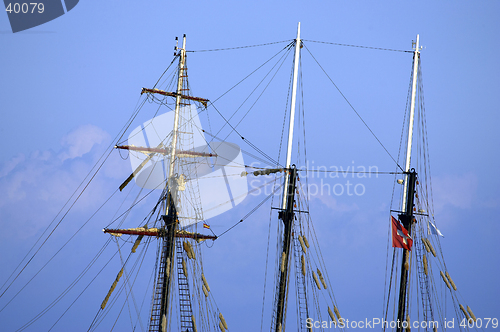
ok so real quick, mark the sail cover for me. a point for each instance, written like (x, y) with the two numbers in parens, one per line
(207, 186)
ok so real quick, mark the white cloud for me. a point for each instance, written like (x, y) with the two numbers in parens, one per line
(33, 189)
(81, 140)
(11, 164)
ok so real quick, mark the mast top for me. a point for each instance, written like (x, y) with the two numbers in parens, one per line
(176, 48)
(416, 46)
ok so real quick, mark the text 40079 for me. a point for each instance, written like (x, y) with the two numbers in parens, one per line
(25, 8)
(479, 323)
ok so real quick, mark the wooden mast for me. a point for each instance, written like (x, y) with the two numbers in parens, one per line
(170, 217)
(406, 217)
(286, 214)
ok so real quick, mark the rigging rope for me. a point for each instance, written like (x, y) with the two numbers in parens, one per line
(173, 60)
(352, 107)
(239, 47)
(253, 210)
(80, 276)
(245, 140)
(52, 222)
(283, 57)
(358, 46)
(345, 172)
(387, 290)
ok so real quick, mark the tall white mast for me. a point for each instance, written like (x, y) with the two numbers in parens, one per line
(406, 216)
(416, 56)
(292, 110)
(287, 213)
(178, 100)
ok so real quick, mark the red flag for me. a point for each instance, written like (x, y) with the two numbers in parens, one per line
(206, 226)
(400, 236)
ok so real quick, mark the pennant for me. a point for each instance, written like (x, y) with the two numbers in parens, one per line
(206, 226)
(400, 236)
(432, 229)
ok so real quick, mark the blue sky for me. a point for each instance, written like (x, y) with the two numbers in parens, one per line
(68, 86)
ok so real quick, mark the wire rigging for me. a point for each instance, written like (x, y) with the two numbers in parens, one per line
(252, 211)
(358, 46)
(104, 157)
(239, 47)
(212, 103)
(352, 107)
